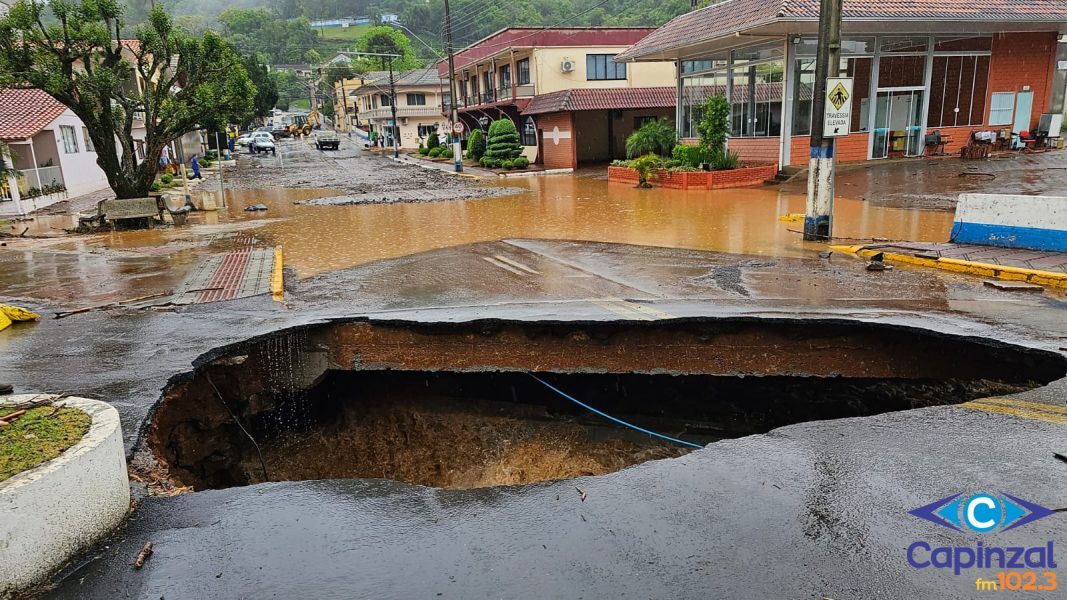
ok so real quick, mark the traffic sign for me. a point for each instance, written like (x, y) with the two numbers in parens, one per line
(457, 127)
(837, 116)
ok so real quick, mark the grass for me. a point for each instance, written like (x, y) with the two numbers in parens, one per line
(340, 33)
(38, 436)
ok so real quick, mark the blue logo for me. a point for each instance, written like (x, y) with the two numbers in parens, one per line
(981, 512)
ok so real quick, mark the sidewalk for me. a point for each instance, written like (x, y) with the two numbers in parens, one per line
(1045, 268)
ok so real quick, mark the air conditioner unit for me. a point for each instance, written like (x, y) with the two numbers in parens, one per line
(566, 66)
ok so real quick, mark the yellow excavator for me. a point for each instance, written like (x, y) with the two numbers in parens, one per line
(303, 125)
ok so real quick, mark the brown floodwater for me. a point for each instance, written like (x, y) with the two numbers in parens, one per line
(585, 206)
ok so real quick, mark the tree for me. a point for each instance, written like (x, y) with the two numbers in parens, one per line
(476, 145)
(70, 49)
(503, 143)
(266, 90)
(654, 137)
(714, 126)
(386, 40)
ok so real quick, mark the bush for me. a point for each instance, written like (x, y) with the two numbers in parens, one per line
(690, 156)
(507, 163)
(714, 126)
(644, 166)
(167, 179)
(423, 150)
(654, 137)
(684, 169)
(503, 140)
(155, 186)
(435, 152)
(489, 162)
(206, 163)
(724, 160)
(521, 162)
(476, 145)
(620, 163)
(447, 153)
(432, 141)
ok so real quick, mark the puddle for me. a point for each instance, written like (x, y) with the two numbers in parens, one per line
(455, 406)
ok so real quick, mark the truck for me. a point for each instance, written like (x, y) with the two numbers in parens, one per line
(327, 138)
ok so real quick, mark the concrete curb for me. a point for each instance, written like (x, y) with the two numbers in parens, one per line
(64, 506)
(1049, 278)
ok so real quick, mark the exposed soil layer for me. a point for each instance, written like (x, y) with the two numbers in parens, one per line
(455, 405)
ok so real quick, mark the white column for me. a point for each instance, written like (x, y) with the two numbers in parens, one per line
(785, 146)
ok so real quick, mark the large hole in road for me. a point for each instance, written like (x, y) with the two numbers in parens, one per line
(458, 405)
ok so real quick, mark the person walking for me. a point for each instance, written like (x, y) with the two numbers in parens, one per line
(164, 159)
(195, 164)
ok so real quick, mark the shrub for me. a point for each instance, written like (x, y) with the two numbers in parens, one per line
(521, 162)
(432, 141)
(447, 153)
(654, 137)
(620, 163)
(435, 152)
(155, 187)
(423, 150)
(724, 160)
(507, 163)
(684, 169)
(503, 140)
(714, 126)
(476, 145)
(490, 163)
(206, 163)
(690, 156)
(167, 179)
(644, 166)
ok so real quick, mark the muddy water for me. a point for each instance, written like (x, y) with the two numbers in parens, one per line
(583, 207)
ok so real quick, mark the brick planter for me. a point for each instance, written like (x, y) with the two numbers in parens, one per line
(698, 180)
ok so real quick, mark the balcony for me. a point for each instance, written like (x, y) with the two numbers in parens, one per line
(385, 112)
(525, 91)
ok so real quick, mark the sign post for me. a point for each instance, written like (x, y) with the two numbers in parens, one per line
(837, 116)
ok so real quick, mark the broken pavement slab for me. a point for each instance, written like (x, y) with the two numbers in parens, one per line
(1042, 268)
(239, 274)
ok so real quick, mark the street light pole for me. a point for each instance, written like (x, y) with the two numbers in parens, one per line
(457, 149)
(818, 213)
(395, 133)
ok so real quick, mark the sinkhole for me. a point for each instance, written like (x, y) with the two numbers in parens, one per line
(464, 405)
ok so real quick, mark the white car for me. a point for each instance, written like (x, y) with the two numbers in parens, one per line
(262, 141)
(244, 138)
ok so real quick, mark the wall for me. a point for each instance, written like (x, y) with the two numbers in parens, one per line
(562, 155)
(763, 150)
(1019, 60)
(1012, 221)
(62, 507)
(591, 135)
(853, 147)
(547, 76)
(80, 171)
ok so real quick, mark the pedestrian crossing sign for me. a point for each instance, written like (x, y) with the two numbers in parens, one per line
(837, 116)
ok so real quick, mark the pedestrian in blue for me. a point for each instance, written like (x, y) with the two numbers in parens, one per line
(196, 167)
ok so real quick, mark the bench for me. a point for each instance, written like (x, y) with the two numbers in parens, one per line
(122, 209)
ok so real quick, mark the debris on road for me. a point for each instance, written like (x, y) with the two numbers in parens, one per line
(255, 207)
(581, 493)
(65, 314)
(143, 555)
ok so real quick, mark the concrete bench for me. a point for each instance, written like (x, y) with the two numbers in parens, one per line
(114, 210)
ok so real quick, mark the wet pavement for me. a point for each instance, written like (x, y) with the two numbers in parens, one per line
(809, 510)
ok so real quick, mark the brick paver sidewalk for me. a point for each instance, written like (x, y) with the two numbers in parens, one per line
(1055, 262)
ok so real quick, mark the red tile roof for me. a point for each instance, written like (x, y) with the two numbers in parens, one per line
(726, 18)
(25, 111)
(602, 99)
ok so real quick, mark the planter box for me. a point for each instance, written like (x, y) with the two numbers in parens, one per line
(63, 506)
(698, 180)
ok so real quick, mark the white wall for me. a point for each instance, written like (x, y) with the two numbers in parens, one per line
(80, 171)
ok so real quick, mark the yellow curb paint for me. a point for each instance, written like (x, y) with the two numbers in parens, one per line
(966, 267)
(277, 280)
(1039, 406)
(1021, 413)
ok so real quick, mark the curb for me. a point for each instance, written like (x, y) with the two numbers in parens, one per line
(967, 267)
(63, 506)
(277, 276)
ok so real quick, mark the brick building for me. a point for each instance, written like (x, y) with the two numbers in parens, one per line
(951, 66)
(571, 102)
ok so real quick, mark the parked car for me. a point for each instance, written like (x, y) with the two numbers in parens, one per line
(262, 142)
(327, 138)
(244, 138)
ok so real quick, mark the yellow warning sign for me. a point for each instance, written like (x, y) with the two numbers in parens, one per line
(838, 96)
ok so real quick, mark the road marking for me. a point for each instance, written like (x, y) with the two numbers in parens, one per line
(516, 264)
(631, 310)
(277, 281)
(1019, 408)
(506, 267)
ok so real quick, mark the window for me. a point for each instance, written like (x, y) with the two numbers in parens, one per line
(89, 147)
(602, 67)
(696, 91)
(1001, 108)
(905, 44)
(505, 79)
(963, 43)
(70, 139)
(859, 69)
(756, 102)
(386, 100)
(416, 99)
(529, 132)
(957, 90)
(523, 67)
(861, 46)
(771, 51)
(427, 130)
(901, 71)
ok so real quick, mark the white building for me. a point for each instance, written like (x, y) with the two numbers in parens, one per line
(51, 148)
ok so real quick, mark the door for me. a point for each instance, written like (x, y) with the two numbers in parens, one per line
(898, 123)
(1024, 106)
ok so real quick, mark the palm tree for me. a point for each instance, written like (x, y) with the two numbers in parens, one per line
(654, 137)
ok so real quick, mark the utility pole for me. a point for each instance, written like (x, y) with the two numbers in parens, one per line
(457, 148)
(818, 213)
(395, 133)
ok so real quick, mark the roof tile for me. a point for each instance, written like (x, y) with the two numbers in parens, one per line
(26, 111)
(602, 99)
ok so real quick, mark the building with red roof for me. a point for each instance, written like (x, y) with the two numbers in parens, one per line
(918, 67)
(51, 149)
(570, 100)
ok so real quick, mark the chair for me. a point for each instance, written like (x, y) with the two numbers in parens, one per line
(935, 141)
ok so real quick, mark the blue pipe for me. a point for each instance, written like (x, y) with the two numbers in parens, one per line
(607, 416)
